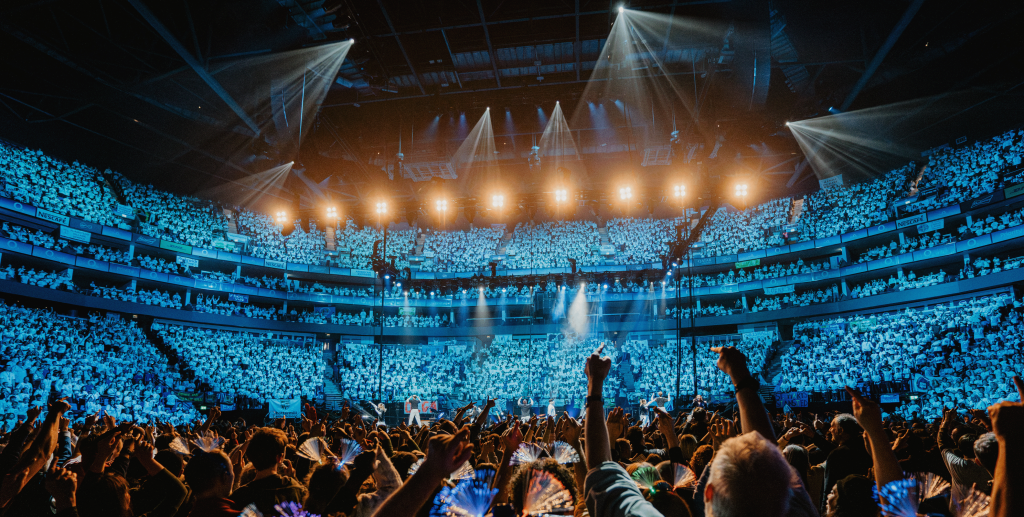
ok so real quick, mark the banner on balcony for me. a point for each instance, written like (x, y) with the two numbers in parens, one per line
(780, 290)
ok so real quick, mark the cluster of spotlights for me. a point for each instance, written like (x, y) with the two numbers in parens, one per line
(497, 201)
(442, 205)
(680, 190)
(281, 218)
(741, 190)
(332, 213)
(382, 207)
(561, 195)
(626, 193)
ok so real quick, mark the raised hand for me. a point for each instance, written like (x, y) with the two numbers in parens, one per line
(62, 485)
(722, 431)
(597, 368)
(866, 411)
(732, 362)
(571, 430)
(616, 424)
(666, 426)
(512, 438)
(445, 454)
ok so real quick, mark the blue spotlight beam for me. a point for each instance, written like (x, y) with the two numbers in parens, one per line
(908, 15)
(194, 63)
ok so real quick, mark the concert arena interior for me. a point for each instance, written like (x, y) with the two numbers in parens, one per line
(492, 258)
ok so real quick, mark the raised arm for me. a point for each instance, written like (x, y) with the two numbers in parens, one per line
(599, 449)
(36, 456)
(886, 467)
(753, 416)
(444, 455)
(1008, 481)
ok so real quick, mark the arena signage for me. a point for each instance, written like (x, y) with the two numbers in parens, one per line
(780, 290)
(240, 298)
(1014, 191)
(943, 212)
(17, 206)
(117, 233)
(187, 261)
(174, 246)
(47, 215)
(792, 399)
(931, 226)
(363, 273)
(911, 221)
(89, 263)
(276, 264)
(56, 256)
(72, 234)
(123, 269)
(748, 263)
(147, 240)
(882, 228)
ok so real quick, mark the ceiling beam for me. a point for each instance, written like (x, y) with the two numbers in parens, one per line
(908, 15)
(364, 100)
(490, 47)
(391, 26)
(577, 48)
(546, 17)
(71, 63)
(187, 56)
(451, 56)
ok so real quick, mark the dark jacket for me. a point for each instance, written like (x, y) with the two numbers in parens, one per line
(269, 491)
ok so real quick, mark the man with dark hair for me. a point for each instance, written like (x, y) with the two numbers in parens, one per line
(273, 483)
(965, 469)
(210, 477)
(849, 456)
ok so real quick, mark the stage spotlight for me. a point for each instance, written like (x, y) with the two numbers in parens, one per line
(442, 205)
(622, 8)
(741, 190)
(282, 218)
(625, 193)
(387, 277)
(497, 201)
(332, 212)
(680, 190)
(561, 195)
(382, 207)
(399, 284)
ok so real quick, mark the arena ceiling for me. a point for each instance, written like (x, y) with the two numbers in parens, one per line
(133, 85)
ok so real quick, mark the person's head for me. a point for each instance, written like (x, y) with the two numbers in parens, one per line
(688, 444)
(966, 445)
(171, 461)
(208, 474)
(851, 497)
(402, 460)
(986, 452)
(324, 482)
(636, 440)
(106, 497)
(797, 458)
(743, 462)
(845, 428)
(700, 458)
(267, 447)
(522, 475)
(699, 415)
(669, 504)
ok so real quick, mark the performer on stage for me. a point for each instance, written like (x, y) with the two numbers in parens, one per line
(645, 414)
(380, 409)
(414, 409)
(524, 408)
(496, 411)
(698, 402)
(551, 408)
(658, 401)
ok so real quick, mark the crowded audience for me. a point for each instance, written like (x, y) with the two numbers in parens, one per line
(246, 364)
(460, 250)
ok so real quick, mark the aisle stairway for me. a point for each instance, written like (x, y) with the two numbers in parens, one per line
(333, 398)
(420, 239)
(329, 239)
(796, 210)
(187, 374)
(232, 225)
(626, 372)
